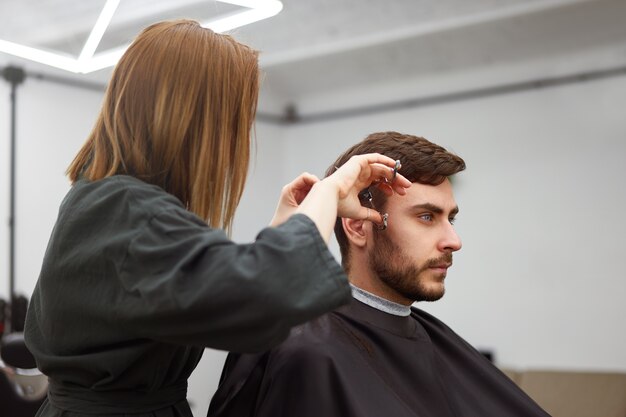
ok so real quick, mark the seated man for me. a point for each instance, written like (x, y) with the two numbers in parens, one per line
(378, 356)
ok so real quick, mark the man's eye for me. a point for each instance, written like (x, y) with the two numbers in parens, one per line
(452, 220)
(426, 217)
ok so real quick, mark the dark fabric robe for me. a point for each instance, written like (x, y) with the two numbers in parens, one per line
(133, 287)
(360, 362)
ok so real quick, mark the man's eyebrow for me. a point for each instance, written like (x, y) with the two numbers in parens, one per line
(435, 209)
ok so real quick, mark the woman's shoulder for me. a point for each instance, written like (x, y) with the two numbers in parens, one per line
(126, 187)
(120, 193)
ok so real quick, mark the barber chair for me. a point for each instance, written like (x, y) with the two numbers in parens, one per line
(23, 387)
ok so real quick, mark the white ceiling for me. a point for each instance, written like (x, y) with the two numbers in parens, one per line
(314, 46)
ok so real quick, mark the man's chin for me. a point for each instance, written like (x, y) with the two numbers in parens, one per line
(431, 292)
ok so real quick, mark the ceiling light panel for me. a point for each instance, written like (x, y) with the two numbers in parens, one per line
(82, 37)
(134, 15)
(55, 26)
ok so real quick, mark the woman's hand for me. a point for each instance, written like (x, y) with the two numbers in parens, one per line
(338, 194)
(291, 196)
(360, 172)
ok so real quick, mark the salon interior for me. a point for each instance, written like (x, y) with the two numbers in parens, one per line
(531, 93)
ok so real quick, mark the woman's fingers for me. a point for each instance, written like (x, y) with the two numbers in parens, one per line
(363, 171)
(371, 215)
(376, 158)
(292, 195)
(306, 179)
(300, 187)
(386, 188)
(387, 179)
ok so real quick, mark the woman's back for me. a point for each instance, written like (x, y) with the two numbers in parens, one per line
(133, 287)
(79, 331)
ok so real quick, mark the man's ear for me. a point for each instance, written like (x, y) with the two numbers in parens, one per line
(356, 231)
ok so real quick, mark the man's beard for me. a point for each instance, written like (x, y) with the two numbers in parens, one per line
(403, 275)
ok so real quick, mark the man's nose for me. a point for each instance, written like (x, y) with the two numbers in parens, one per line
(450, 240)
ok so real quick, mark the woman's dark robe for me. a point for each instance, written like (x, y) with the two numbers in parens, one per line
(133, 287)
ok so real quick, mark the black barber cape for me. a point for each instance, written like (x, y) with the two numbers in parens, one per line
(361, 362)
(133, 287)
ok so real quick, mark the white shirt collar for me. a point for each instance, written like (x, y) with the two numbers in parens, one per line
(380, 303)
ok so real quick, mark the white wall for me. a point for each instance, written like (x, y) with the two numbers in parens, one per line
(52, 123)
(539, 279)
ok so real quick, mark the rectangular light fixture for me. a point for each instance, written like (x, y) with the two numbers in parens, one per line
(89, 61)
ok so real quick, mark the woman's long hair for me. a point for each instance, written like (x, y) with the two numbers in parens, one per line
(177, 113)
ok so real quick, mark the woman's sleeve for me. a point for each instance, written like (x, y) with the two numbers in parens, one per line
(187, 283)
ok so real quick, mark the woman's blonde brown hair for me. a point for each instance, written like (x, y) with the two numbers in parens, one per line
(178, 113)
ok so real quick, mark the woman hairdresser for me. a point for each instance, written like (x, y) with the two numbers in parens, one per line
(139, 275)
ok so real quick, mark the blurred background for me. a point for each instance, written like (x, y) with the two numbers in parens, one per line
(531, 93)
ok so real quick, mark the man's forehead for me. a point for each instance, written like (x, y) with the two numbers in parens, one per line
(418, 194)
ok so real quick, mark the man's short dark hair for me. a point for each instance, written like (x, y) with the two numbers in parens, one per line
(422, 161)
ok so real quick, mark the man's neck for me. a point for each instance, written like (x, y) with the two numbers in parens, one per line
(380, 303)
(365, 280)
